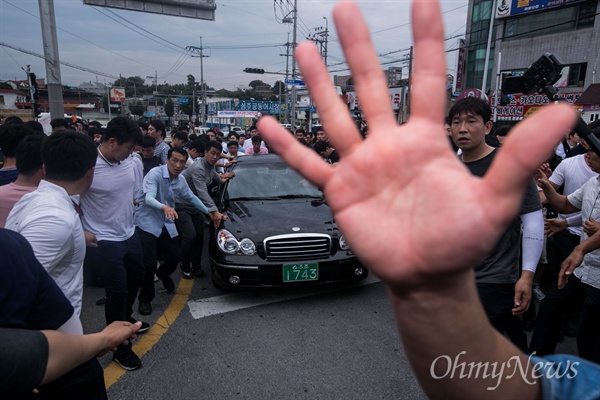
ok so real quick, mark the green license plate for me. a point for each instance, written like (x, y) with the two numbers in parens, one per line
(300, 272)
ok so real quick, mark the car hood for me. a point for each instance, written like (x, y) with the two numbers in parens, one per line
(258, 219)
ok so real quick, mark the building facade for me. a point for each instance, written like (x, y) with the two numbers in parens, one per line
(523, 30)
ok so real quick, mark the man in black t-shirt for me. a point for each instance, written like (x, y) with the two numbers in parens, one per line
(503, 293)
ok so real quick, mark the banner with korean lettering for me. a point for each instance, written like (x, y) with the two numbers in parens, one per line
(509, 8)
(523, 105)
(264, 107)
(238, 114)
(396, 99)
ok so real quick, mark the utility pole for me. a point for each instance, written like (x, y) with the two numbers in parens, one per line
(50, 39)
(294, 21)
(155, 79)
(287, 73)
(402, 114)
(487, 49)
(320, 37)
(326, 38)
(202, 85)
(32, 99)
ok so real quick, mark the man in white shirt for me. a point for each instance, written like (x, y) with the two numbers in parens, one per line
(108, 213)
(49, 216)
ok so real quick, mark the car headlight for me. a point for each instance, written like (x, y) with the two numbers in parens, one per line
(228, 243)
(247, 246)
(343, 244)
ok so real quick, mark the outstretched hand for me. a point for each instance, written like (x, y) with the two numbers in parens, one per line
(407, 206)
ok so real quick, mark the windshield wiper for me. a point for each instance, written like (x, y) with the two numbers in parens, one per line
(252, 198)
(298, 196)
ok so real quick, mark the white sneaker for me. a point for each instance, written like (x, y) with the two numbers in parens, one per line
(537, 293)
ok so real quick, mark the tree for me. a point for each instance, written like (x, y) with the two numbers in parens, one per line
(191, 81)
(278, 87)
(137, 108)
(169, 108)
(257, 82)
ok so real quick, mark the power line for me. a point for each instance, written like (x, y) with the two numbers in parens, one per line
(4, 44)
(79, 37)
(145, 30)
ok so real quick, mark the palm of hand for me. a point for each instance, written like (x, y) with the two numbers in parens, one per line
(413, 213)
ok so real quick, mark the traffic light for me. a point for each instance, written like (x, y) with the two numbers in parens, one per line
(34, 86)
(254, 70)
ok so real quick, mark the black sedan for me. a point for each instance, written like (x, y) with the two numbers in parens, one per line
(279, 231)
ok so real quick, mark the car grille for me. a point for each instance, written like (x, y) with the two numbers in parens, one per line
(299, 246)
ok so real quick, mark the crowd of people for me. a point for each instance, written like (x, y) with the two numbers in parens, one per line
(469, 223)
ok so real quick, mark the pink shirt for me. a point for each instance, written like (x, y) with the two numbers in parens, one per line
(9, 195)
(250, 151)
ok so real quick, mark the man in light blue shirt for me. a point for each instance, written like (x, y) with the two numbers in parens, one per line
(155, 222)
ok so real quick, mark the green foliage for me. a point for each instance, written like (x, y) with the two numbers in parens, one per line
(137, 108)
(277, 86)
(169, 107)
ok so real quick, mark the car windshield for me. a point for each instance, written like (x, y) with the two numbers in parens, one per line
(268, 181)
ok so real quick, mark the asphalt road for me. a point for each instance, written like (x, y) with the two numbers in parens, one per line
(337, 342)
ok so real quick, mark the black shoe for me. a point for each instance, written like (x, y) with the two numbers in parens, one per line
(145, 308)
(145, 326)
(186, 272)
(198, 273)
(167, 282)
(128, 360)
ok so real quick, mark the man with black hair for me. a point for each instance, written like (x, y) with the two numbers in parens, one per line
(257, 147)
(29, 166)
(96, 134)
(194, 149)
(108, 208)
(179, 139)
(143, 127)
(13, 119)
(59, 124)
(94, 124)
(147, 152)
(326, 151)
(49, 217)
(504, 293)
(155, 222)
(35, 126)
(157, 130)
(248, 142)
(10, 136)
(234, 149)
(199, 176)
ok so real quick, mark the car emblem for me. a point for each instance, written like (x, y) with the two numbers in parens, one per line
(295, 229)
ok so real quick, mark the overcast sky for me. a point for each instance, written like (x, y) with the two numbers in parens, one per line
(108, 40)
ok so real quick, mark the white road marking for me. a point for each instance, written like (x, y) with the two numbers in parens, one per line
(238, 301)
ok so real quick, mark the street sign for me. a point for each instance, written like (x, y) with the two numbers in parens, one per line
(198, 9)
(294, 82)
(183, 100)
(117, 95)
